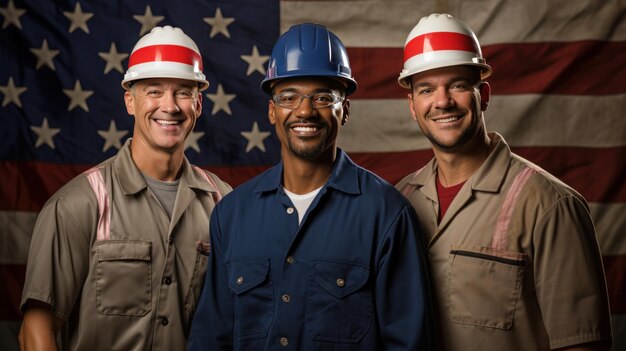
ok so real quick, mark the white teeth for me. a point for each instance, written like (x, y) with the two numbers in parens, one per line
(166, 123)
(305, 129)
(447, 120)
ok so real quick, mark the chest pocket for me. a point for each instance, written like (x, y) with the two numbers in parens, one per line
(123, 277)
(484, 286)
(339, 302)
(254, 298)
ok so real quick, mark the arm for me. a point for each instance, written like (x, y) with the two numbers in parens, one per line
(569, 278)
(401, 290)
(39, 328)
(212, 326)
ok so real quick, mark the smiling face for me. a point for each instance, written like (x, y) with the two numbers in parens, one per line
(305, 132)
(165, 111)
(447, 103)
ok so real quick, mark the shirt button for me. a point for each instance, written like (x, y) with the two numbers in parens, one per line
(290, 210)
(290, 259)
(164, 322)
(284, 341)
(286, 298)
(239, 280)
(341, 283)
(167, 280)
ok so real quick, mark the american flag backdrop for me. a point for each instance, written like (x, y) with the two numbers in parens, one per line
(559, 98)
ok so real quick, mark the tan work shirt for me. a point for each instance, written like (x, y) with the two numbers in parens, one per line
(530, 278)
(138, 289)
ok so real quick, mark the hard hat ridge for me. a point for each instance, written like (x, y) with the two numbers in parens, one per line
(309, 49)
(165, 52)
(440, 40)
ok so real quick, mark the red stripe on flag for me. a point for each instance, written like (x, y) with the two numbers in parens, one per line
(168, 53)
(576, 68)
(12, 278)
(26, 186)
(438, 41)
(597, 173)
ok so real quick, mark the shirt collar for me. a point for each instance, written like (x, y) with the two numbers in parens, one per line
(132, 181)
(489, 177)
(343, 177)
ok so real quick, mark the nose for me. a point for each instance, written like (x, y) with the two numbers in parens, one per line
(306, 108)
(443, 99)
(169, 104)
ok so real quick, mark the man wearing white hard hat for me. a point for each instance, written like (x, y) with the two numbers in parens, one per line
(118, 255)
(514, 258)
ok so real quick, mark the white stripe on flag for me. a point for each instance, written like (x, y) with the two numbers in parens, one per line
(386, 23)
(385, 125)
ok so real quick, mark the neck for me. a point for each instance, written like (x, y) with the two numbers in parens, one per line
(157, 164)
(458, 166)
(301, 176)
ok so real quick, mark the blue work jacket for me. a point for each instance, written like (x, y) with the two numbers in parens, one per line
(349, 277)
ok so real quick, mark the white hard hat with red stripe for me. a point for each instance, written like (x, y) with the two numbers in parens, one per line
(165, 52)
(440, 40)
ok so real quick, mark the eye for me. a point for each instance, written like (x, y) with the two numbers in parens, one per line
(326, 98)
(460, 86)
(288, 99)
(185, 94)
(424, 91)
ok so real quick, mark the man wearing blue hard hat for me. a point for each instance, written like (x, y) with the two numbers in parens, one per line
(316, 253)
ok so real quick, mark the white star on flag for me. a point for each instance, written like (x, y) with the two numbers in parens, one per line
(220, 100)
(12, 93)
(219, 24)
(255, 138)
(78, 97)
(45, 55)
(255, 61)
(192, 141)
(45, 134)
(112, 137)
(113, 59)
(79, 18)
(12, 15)
(148, 20)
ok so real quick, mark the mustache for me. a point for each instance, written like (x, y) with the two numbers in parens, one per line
(445, 112)
(318, 121)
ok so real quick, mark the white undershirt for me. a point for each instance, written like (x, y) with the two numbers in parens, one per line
(302, 202)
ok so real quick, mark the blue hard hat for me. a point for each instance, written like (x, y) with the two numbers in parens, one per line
(309, 50)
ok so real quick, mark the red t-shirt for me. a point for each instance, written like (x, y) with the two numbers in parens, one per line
(446, 195)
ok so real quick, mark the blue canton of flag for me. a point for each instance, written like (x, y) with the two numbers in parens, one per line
(63, 61)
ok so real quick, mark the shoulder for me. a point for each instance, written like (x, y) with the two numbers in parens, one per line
(378, 191)
(544, 190)
(222, 187)
(246, 191)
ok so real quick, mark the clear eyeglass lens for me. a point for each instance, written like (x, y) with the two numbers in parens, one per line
(293, 100)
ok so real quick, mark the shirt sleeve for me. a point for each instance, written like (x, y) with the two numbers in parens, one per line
(569, 277)
(212, 326)
(58, 258)
(401, 286)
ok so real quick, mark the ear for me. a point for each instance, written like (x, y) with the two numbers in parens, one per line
(271, 111)
(128, 101)
(485, 94)
(346, 112)
(199, 105)
(411, 110)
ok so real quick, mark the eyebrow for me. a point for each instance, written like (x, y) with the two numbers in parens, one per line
(450, 81)
(316, 91)
(178, 87)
